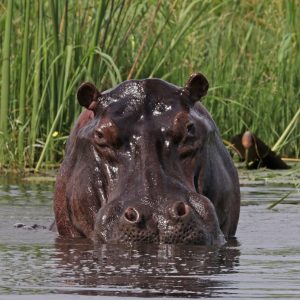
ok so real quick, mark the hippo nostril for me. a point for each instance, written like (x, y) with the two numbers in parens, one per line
(179, 210)
(131, 215)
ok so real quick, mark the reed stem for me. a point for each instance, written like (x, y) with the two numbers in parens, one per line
(5, 83)
(23, 86)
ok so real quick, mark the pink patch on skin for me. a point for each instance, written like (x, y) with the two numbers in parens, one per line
(85, 117)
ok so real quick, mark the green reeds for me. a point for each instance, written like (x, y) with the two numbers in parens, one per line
(249, 50)
(96, 34)
(36, 82)
(288, 130)
(5, 84)
(68, 57)
(275, 203)
(23, 78)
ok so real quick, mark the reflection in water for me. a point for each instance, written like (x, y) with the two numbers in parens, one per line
(155, 270)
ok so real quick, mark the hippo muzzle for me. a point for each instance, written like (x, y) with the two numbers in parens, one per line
(179, 222)
(145, 163)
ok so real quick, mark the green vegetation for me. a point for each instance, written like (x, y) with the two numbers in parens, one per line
(249, 50)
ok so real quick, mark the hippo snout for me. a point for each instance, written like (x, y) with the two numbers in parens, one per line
(133, 223)
(177, 222)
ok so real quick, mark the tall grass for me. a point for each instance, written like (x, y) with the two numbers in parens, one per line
(23, 76)
(5, 83)
(249, 50)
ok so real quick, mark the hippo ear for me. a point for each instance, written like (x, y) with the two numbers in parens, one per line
(196, 86)
(87, 95)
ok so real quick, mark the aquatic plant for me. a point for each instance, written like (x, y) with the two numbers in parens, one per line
(249, 50)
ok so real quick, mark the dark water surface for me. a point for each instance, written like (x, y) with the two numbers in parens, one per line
(263, 262)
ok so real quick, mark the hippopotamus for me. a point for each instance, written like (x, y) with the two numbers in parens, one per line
(256, 153)
(145, 163)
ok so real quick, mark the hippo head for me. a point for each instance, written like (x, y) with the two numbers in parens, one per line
(138, 166)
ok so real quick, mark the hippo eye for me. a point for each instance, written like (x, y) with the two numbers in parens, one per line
(185, 133)
(99, 133)
(99, 138)
(190, 128)
(179, 126)
(106, 134)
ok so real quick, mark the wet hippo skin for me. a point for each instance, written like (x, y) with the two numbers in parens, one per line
(145, 163)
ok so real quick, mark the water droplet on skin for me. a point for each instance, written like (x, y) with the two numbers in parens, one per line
(97, 157)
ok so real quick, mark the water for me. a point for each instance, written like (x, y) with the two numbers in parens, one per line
(263, 262)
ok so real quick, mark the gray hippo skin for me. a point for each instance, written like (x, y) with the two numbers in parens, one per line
(145, 163)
